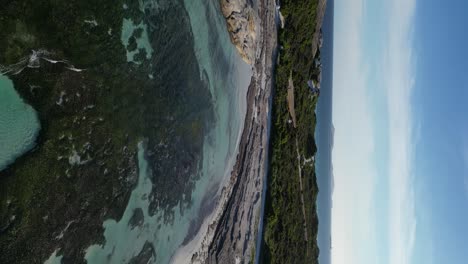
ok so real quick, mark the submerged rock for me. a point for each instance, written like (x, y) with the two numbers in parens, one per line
(137, 218)
(146, 255)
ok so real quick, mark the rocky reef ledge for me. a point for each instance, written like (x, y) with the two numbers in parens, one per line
(240, 22)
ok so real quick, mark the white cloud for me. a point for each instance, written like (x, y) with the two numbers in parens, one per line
(400, 82)
(355, 239)
(352, 212)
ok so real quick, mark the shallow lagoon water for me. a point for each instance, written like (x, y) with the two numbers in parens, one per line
(19, 124)
(128, 28)
(227, 77)
(54, 259)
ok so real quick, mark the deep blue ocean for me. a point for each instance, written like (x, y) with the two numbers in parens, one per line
(324, 139)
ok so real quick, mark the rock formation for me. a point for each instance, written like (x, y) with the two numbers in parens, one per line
(241, 25)
(316, 40)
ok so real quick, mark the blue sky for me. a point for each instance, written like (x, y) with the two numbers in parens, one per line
(400, 111)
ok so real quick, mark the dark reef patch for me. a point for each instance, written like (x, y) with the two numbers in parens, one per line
(85, 166)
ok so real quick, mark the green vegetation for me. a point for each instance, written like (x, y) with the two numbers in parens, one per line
(285, 238)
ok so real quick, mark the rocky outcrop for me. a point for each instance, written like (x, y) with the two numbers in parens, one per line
(241, 24)
(316, 39)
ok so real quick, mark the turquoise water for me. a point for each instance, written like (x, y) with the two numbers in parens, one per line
(54, 259)
(128, 29)
(122, 240)
(19, 124)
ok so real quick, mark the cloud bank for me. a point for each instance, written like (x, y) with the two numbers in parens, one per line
(356, 233)
(400, 83)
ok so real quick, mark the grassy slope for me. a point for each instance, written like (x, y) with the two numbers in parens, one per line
(284, 231)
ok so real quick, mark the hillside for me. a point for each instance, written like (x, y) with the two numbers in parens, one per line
(291, 222)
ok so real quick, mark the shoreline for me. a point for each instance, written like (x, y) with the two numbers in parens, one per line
(184, 253)
(242, 210)
(242, 191)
